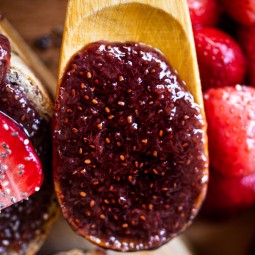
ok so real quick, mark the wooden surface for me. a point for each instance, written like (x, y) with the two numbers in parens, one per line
(35, 18)
(34, 63)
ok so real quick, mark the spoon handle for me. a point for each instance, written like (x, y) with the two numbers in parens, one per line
(162, 24)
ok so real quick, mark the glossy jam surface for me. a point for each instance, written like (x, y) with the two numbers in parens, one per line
(128, 141)
(24, 221)
(5, 54)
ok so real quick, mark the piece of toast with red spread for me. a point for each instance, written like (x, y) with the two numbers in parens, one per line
(24, 225)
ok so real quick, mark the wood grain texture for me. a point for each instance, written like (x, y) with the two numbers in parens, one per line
(34, 19)
(162, 24)
(31, 60)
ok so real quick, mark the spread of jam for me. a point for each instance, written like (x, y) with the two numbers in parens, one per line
(5, 54)
(24, 221)
(129, 147)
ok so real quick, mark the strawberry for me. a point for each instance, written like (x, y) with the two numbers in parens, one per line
(20, 168)
(246, 36)
(204, 12)
(230, 113)
(220, 59)
(243, 11)
(228, 195)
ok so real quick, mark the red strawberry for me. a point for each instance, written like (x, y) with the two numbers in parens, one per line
(228, 195)
(243, 11)
(220, 59)
(246, 35)
(20, 168)
(204, 12)
(230, 113)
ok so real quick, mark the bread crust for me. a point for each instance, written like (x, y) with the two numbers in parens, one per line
(34, 89)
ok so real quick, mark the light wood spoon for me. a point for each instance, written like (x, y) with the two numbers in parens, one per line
(164, 25)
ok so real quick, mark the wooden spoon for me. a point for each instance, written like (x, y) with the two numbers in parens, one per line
(162, 24)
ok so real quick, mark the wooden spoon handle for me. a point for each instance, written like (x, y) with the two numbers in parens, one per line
(162, 24)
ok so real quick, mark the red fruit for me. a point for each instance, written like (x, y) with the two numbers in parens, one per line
(246, 36)
(220, 59)
(228, 195)
(243, 11)
(20, 168)
(230, 114)
(204, 12)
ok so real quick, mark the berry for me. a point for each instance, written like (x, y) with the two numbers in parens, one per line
(204, 12)
(243, 11)
(230, 113)
(20, 168)
(44, 42)
(228, 195)
(246, 35)
(220, 59)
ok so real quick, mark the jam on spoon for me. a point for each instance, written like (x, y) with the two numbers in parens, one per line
(128, 146)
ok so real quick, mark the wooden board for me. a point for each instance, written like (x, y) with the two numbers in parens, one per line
(33, 19)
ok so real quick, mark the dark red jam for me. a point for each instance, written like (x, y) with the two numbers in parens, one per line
(5, 54)
(129, 147)
(25, 221)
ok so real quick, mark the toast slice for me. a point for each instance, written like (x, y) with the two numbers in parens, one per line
(26, 98)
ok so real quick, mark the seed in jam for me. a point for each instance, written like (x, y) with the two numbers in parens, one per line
(142, 140)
